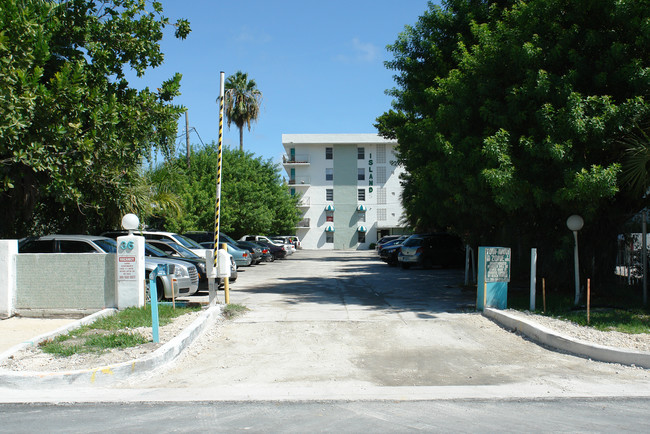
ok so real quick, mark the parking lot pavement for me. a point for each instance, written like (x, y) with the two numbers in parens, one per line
(16, 330)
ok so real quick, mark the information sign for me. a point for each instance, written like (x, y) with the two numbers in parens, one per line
(497, 264)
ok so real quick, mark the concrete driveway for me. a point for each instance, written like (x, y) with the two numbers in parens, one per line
(344, 325)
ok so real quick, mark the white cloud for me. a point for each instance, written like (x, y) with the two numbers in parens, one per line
(365, 51)
(361, 52)
(246, 35)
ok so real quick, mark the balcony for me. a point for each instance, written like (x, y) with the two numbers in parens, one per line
(295, 160)
(304, 223)
(304, 202)
(300, 181)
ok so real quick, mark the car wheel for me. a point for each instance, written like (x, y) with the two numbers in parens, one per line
(406, 265)
(160, 290)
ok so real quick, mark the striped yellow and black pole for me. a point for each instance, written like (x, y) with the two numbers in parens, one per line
(218, 200)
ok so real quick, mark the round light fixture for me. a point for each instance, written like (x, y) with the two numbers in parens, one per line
(575, 223)
(130, 222)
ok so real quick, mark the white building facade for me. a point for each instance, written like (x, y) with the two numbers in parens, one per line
(349, 188)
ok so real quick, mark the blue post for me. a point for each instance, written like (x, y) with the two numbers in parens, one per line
(153, 295)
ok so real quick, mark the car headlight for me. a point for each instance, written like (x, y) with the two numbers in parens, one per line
(181, 271)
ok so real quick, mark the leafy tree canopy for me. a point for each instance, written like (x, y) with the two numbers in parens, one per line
(254, 199)
(510, 114)
(72, 132)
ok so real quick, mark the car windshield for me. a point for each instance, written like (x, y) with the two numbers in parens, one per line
(107, 245)
(413, 242)
(150, 250)
(226, 238)
(187, 242)
(183, 251)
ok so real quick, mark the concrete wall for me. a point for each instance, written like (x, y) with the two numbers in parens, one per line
(8, 252)
(64, 282)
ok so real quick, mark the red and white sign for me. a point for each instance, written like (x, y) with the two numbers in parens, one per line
(126, 269)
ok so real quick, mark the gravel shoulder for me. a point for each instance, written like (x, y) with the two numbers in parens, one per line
(635, 342)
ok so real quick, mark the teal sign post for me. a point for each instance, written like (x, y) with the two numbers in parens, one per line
(160, 270)
(493, 277)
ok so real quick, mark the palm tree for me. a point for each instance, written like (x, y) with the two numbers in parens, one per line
(242, 102)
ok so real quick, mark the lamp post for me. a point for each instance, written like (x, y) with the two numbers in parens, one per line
(575, 223)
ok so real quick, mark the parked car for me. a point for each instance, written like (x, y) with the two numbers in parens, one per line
(278, 252)
(287, 247)
(430, 250)
(168, 249)
(200, 236)
(241, 257)
(171, 248)
(161, 235)
(190, 244)
(286, 241)
(384, 240)
(396, 241)
(264, 252)
(186, 275)
(390, 251)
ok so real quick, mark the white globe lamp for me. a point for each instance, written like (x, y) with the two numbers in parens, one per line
(130, 222)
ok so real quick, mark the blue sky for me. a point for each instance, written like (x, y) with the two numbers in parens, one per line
(319, 65)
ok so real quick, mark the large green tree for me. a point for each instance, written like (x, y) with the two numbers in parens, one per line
(510, 117)
(254, 198)
(72, 132)
(243, 101)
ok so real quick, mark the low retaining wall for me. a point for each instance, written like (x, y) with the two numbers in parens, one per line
(552, 339)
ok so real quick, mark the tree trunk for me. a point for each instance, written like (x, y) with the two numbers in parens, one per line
(241, 139)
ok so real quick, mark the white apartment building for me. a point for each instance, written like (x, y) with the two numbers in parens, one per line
(349, 188)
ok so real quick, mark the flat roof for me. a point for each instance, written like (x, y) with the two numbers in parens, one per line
(334, 138)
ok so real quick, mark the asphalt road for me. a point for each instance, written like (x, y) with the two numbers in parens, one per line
(456, 416)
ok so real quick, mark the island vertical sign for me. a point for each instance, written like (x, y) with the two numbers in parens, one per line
(493, 277)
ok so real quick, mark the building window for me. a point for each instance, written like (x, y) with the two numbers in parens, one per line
(361, 153)
(293, 192)
(329, 174)
(362, 217)
(362, 237)
(329, 152)
(329, 216)
(381, 214)
(329, 237)
(329, 194)
(361, 194)
(381, 154)
(361, 174)
(380, 174)
(381, 196)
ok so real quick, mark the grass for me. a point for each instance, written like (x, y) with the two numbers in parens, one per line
(109, 332)
(233, 310)
(615, 308)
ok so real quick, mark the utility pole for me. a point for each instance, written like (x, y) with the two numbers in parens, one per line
(187, 137)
